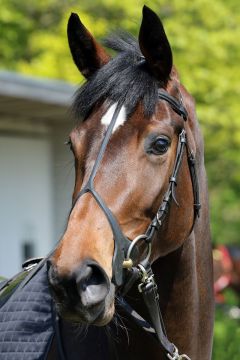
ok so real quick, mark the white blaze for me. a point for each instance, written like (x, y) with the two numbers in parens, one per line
(107, 117)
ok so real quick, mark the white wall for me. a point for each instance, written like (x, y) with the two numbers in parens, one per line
(63, 177)
(26, 199)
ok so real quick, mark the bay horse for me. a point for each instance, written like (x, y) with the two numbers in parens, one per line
(139, 183)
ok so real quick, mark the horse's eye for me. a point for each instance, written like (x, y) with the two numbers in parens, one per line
(69, 144)
(160, 145)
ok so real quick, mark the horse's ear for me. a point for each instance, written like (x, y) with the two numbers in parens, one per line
(87, 54)
(154, 45)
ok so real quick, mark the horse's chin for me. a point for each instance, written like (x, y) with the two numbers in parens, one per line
(98, 317)
(105, 318)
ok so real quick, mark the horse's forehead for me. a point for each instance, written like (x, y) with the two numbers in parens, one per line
(108, 116)
(137, 117)
(95, 126)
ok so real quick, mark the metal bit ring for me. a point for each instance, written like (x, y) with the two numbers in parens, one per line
(128, 262)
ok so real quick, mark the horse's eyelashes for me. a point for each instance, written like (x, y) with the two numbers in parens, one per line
(157, 145)
(69, 144)
(160, 145)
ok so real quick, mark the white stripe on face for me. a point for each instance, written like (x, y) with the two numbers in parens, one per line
(107, 117)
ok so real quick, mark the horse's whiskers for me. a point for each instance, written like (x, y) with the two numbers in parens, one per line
(80, 330)
(119, 323)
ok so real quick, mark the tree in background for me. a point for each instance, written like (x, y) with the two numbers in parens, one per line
(205, 40)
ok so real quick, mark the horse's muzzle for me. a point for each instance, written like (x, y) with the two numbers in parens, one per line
(84, 295)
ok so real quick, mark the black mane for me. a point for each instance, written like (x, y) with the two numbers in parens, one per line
(124, 78)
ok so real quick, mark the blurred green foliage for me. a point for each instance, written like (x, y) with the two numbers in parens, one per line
(205, 41)
(226, 340)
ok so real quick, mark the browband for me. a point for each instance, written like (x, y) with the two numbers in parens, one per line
(176, 105)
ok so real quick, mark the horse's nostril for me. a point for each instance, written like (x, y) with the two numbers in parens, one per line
(63, 287)
(88, 283)
(92, 284)
(52, 275)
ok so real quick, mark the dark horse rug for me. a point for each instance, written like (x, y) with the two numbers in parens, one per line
(29, 324)
(26, 317)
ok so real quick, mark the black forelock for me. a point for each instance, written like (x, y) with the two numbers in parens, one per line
(124, 78)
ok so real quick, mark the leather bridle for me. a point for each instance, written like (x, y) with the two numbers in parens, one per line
(121, 257)
(124, 273)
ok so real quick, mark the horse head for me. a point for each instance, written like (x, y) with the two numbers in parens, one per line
(122, 174)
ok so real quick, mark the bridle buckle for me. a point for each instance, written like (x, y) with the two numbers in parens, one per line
(147, 279)
(177, 356)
